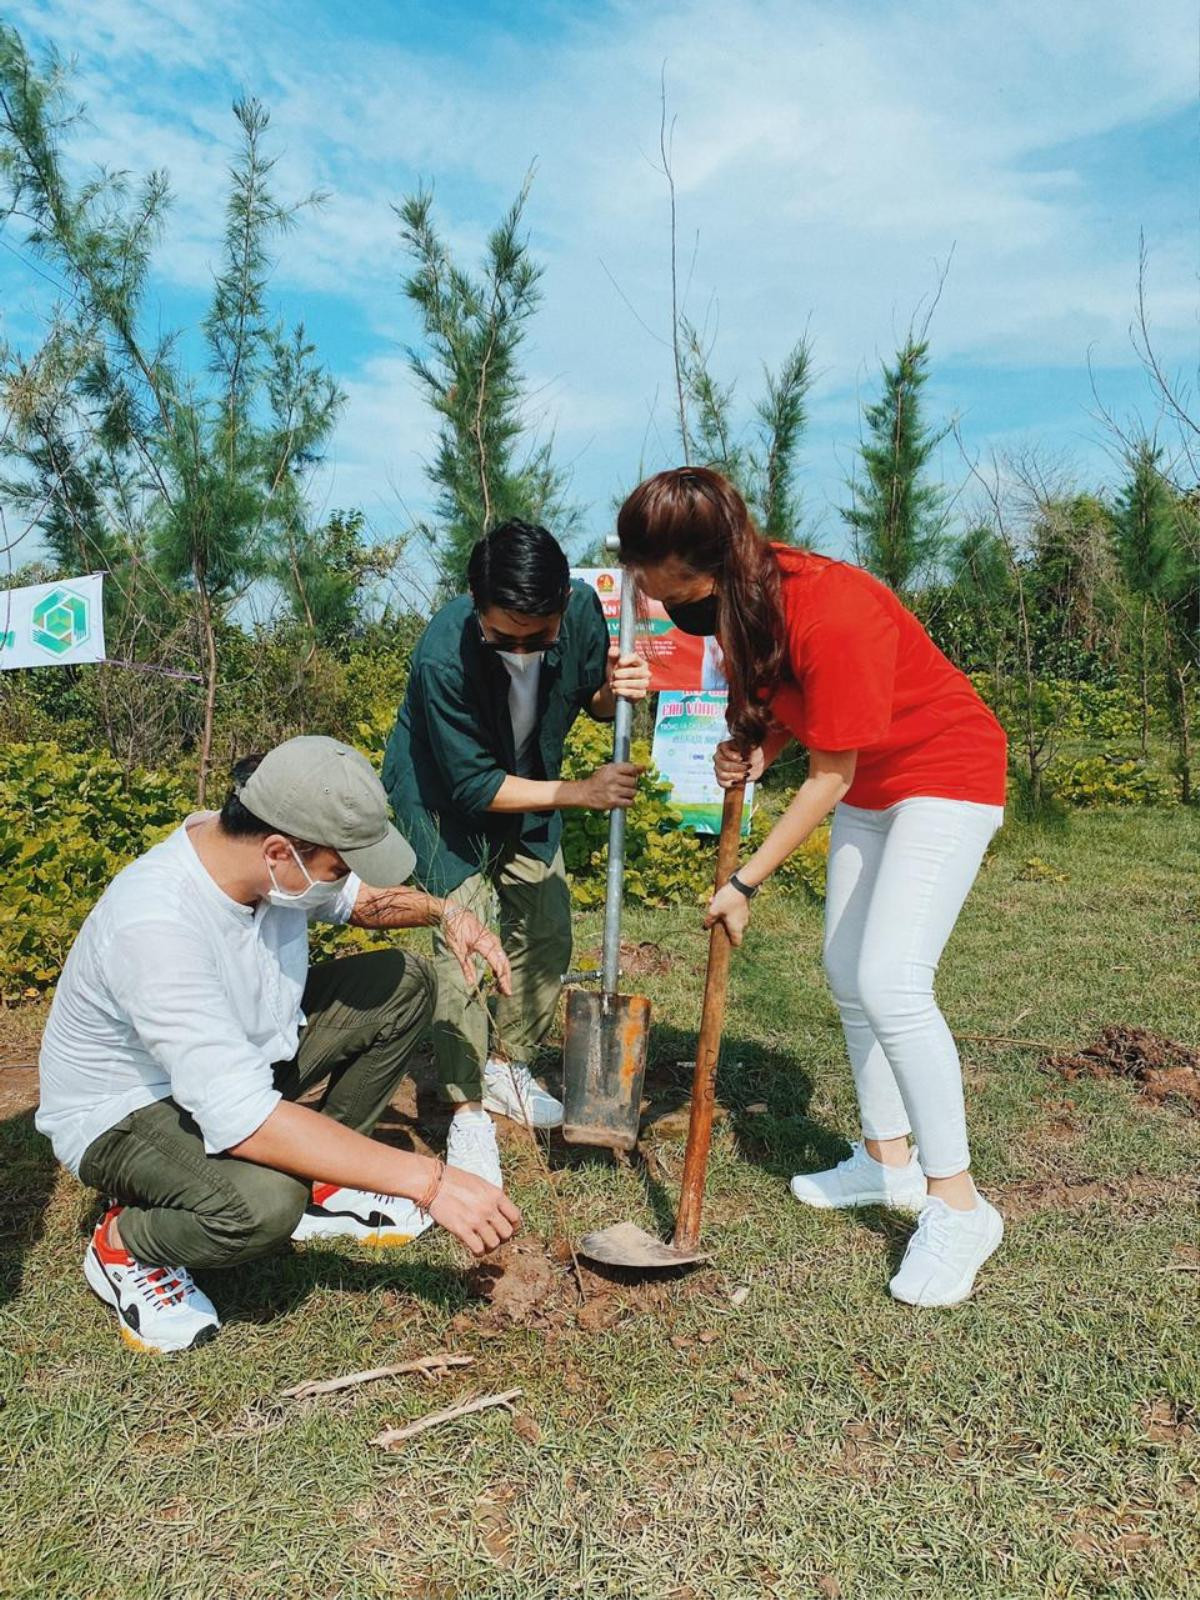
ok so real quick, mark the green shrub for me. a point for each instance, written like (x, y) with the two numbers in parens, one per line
(664, 864)
(68, 824)
(1104, 780)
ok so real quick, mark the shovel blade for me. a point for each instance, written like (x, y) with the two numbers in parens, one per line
(604, 1064)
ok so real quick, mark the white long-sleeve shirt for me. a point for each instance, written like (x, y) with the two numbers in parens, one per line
(173, 988)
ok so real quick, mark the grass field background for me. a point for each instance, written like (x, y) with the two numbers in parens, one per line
(813, 1439)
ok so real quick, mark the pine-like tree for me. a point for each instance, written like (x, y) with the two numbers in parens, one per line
(184, 483)
(896, 516)
(1158, 562)
(761, 461)
(488, 466)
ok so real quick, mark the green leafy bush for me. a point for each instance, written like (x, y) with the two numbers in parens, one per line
(1104, 780)
(68, 824)
(664, 865)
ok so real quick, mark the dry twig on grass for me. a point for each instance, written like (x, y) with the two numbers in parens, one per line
(428, 1367)
(390, 1437)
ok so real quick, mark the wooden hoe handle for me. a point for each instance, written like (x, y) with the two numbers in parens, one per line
(708, 1048)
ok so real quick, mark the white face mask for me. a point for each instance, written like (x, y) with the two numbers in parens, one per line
(522, 660)
(316, 897)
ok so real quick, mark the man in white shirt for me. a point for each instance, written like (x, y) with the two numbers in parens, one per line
(187, 1024)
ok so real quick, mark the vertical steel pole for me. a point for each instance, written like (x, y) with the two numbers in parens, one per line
(610, 971)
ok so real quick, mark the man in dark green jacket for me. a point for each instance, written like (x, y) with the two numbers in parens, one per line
(472, 768)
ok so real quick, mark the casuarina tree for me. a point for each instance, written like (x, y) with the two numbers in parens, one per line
(185, 481)
(896, 515)
(488, 465)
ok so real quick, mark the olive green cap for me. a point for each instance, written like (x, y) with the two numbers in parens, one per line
(324, 792)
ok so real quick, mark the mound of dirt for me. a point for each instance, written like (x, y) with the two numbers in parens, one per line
(527, 1284)
(1161, 1068)
(642, 960)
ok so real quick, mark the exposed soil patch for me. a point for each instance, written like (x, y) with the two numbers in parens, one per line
(21, 1032)
(1161, 1068)
(529, 1284)
(18, 1090)
(1027, 1198)
(644, 959)
(1171, 1421)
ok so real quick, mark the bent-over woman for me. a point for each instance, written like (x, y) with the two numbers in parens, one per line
(912, 764)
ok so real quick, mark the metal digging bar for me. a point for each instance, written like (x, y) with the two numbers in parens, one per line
(604, 1047)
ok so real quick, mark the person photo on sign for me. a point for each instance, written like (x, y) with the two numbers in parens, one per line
(187, 1024)
(911, 763)
(473, 768)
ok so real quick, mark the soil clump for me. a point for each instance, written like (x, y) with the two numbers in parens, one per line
(1163, 1069)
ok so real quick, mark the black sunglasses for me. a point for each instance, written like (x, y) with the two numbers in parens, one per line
(526, 645)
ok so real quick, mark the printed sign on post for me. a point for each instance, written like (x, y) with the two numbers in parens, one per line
(677, 660)
(687, 731)
(52, 624)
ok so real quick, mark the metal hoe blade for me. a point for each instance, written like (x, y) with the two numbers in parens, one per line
(627, 1245)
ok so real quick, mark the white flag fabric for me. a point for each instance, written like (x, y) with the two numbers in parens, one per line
(53, 624)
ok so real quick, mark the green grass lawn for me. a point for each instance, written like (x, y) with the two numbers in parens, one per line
(815, 1439)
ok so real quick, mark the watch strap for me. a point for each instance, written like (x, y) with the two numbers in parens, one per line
(743, 888)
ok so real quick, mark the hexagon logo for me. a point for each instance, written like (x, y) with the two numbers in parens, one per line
(61, 621)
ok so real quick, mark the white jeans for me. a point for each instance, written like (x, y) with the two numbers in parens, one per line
(896, 883)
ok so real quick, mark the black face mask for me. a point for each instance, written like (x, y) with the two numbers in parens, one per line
(698, 617)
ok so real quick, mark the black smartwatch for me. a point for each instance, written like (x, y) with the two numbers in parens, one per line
(743, 888)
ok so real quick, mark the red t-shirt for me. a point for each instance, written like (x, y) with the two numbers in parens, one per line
(867, 677)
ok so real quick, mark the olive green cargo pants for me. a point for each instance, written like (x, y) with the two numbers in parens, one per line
(366, 1014)
(535, 930)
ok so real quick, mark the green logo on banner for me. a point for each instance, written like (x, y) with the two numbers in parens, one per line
(60, 621)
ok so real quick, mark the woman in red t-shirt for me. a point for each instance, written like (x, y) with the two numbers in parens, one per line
(912, 764)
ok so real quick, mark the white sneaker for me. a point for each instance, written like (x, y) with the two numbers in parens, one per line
(946, 1251)
(471, 1146)
(373, 1219)
(510, 1089)
(159, 1309)
(860, 1180)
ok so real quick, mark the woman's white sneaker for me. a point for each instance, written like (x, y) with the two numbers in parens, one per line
(511, 1090)
(860, 1180)
(384, 1220)
(471, 1146)
(159, 1309)
(946, 1251)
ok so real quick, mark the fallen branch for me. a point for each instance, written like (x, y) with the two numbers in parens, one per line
(1020, 1044)
(391, 1437)
(427, 1366)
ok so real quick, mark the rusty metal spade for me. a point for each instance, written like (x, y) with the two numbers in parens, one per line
(604, 1047)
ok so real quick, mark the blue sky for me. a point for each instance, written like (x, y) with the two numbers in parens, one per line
(828, 160)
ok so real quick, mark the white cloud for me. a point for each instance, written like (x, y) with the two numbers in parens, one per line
(827, 157)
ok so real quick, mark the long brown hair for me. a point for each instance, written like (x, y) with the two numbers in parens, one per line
(699, 517)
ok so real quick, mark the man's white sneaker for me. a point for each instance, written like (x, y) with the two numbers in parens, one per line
(159, 1309)
(471, 1146)
(372, 1219)
(946, 1251)
(860, 1180)
(510, 1089)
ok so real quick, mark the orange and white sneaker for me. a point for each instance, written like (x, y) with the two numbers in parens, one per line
(159, 1309)
(373, 1219)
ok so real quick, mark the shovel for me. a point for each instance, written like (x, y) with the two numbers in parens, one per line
(604, 1046)
(625, 1244)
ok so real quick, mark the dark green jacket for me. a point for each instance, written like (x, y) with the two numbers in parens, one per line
(452, 745)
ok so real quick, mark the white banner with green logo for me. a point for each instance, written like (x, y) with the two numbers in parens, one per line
(53, 624)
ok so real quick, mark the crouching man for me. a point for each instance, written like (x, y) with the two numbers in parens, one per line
(187, 1025)
(473, 767)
